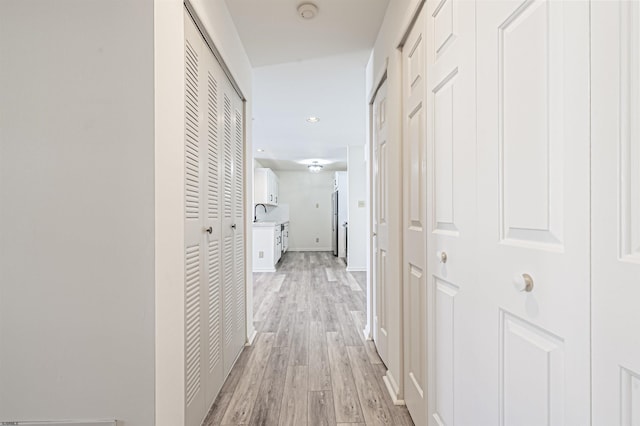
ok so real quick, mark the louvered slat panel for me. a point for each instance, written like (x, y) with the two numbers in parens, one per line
(228, 159)
(192, 178)
(239, 172)
(239, 283)
(213, 150)
(192, 321)
(214, 304)
(228, 291)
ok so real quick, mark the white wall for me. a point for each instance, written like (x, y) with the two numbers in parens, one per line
(169, 157)
(302, 191)
(77, 159)
(77, 210)
(357, 209)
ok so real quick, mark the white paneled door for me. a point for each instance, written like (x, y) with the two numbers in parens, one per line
(532, 341)
(615, 207)
(414, 222)
(380, 222)
(214, 237)
(451, 216)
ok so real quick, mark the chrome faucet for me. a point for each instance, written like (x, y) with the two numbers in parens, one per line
(255, 214)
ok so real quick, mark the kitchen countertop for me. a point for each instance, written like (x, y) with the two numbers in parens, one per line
(268, 223)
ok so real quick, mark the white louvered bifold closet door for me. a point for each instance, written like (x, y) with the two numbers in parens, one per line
(239, 249)
(212, 292)
(193, 232)
(227, 235)
(232, 229)
(214, 247)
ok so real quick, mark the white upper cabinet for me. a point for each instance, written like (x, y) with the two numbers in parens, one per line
(265, 187)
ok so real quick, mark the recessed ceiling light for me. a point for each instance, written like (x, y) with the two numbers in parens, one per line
(260, 150)
(313, 119)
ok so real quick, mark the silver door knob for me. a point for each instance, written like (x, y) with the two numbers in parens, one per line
(442, 256)
(209, 230)
(524, 282)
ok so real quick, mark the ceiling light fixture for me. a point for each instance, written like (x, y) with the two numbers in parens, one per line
(260, 150)
(313, 161)
(313, 119)
(307, 10)
(315, 167)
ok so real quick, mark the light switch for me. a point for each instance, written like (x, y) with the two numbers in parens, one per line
(260, 254)
(361, 203)
(317, 205)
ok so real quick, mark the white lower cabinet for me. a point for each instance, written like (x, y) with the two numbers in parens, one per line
(269, 242)
(285, 238)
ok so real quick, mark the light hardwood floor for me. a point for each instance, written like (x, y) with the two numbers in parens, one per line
(309, 364)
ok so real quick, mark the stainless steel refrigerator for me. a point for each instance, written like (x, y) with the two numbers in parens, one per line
(334, 222)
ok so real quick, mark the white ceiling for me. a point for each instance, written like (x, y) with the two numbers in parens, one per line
(308, 68)
(288, 165)
(286, 95)
(273, 33)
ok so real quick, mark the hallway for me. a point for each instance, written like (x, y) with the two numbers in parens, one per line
(309, 363)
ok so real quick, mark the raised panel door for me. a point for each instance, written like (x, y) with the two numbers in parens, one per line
(451, 214)
(615, 207)
(414, 263)
(532, 348)
(381, 276)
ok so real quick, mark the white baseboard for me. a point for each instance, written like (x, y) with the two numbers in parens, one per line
(311, 249)
(356, 269)
(367, 333)
(264, 269)
(65, 423)
(392, 388)
(252, 337)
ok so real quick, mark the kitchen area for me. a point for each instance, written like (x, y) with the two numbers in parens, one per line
(271, 232)
(298, 210)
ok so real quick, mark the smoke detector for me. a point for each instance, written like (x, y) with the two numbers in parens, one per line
(307, 10)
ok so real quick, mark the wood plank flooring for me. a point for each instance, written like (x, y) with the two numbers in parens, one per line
(310, 364)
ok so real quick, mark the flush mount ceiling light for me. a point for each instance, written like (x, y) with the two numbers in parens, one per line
(260, 150)
(315, 161)
(314, 168)
(313, 119)
(307, 10)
